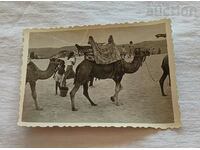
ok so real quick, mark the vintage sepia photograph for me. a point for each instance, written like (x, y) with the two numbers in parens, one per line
(116, 75)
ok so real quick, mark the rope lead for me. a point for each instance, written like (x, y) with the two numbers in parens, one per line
(152, 78)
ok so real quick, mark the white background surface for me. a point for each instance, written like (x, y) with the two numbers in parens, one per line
(14, 16)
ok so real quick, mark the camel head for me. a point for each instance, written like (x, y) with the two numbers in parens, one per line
(147, 53)
(142, 54)
(61, 62)
(55, 61)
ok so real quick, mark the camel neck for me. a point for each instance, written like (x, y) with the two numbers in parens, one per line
(45, 74)
(134, 65)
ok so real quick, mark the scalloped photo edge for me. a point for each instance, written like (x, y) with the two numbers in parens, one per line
(172, 66)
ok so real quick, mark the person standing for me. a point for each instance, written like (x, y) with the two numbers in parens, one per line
(131, 49)
(69, 73)
(58, 75)
(123, 52)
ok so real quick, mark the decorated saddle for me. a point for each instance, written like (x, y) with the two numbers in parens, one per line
(99, 52)
(106, 54)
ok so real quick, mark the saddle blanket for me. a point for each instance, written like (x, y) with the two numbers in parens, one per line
(106, 54)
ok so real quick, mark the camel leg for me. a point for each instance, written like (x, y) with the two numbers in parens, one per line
(169, 80)
(91, 82)
(34, 94)
(117, 90)
(85, 93)
(65, 77)
(63, 82)
(114, 98)
(57, 86)
(161, 81)
(72, 95)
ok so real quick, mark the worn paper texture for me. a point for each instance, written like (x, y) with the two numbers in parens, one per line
(143, 105)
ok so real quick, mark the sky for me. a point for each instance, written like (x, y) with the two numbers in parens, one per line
(121, 35)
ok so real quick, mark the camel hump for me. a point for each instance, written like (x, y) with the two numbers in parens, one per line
(32, 67)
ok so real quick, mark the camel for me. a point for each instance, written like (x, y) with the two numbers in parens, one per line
(87, 70)
(34, 74)
(165, 68)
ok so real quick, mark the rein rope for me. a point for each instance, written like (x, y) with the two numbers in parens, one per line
(151, 76)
